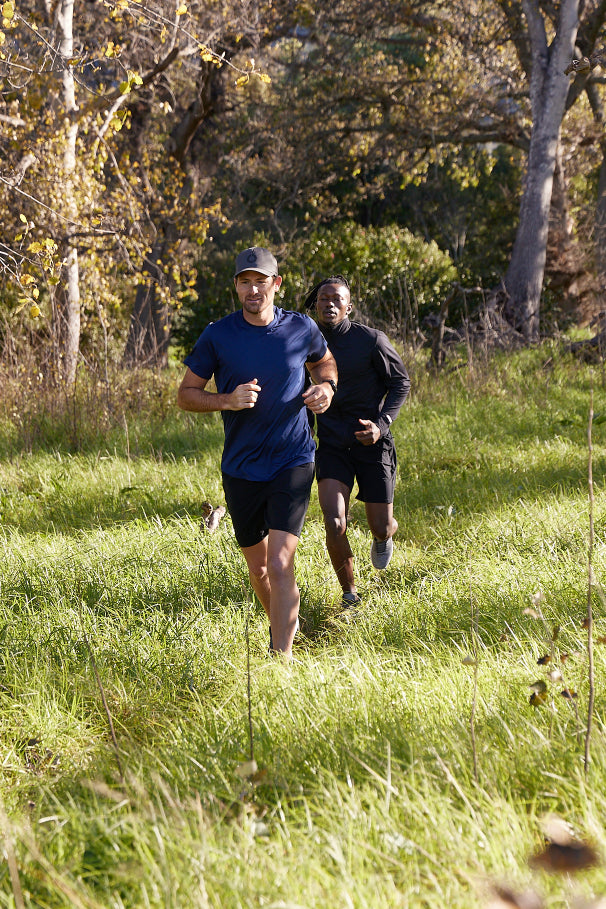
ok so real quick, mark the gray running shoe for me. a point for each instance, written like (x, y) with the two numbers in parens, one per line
(381, 552)
(349, 600)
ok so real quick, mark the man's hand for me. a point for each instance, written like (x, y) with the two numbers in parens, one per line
(318, 397)
(369, 434)
(244, 396)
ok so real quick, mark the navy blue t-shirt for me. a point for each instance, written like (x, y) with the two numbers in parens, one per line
(274, 435)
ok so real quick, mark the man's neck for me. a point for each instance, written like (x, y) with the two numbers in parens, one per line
(260, 319)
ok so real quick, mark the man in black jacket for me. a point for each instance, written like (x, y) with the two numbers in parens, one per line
(354, 437)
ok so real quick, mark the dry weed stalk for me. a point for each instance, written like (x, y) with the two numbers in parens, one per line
(589, 587)
(103, 698)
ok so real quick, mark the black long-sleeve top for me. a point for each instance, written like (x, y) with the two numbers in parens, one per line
(372, 385)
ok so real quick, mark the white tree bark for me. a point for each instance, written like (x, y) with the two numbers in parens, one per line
(70, 292)
(548, 90)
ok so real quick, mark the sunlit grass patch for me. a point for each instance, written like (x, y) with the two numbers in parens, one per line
(372, 786)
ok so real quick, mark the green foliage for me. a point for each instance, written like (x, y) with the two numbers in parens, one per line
(468, 202)
(396, 277)
(389, 268)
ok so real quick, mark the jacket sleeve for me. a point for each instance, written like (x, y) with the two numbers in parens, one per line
(390, 367)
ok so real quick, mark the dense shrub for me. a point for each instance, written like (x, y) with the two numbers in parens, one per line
(396, 277)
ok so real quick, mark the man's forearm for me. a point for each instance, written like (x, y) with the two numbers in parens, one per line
(199, 400)
(323, 372)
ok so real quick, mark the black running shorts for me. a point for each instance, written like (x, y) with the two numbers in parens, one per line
(373, 466)
(258, 507)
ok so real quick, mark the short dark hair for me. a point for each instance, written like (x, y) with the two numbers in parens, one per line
(312, 296)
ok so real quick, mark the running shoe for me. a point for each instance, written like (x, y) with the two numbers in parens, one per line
(349, 600)
(381, 552)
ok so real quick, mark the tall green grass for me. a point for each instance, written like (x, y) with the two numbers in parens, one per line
(367, 793)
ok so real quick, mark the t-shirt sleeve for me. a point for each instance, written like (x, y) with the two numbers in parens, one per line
(202, 360)
(317, 343)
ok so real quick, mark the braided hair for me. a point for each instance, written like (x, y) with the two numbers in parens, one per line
(312, 296)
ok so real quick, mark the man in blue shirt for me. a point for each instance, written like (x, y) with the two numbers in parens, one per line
(258, 356)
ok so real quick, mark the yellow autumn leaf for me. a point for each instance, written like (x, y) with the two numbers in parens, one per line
(34, 311)
(242, 80)
(2, 38)
(264, 77)
(181, 10)
(27, 279)
(8, 10)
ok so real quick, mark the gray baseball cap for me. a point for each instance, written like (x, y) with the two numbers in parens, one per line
(255, 258)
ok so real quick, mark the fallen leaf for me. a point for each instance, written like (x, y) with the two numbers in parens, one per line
(247, 769)
(539, 687)
(557, 830)
(212, 521)
(542, 661)
(507, 898)
(565, 857)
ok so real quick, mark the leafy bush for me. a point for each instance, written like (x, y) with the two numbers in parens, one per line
(395, 276)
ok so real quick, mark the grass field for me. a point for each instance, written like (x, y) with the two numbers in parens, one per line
(399, 760)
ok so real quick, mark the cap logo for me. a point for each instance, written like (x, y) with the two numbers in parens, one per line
(251, 257)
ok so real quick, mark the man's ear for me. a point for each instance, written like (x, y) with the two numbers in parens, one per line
(277, 281)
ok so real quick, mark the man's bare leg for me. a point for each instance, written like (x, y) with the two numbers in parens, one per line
(334, 502)
(256, 559)
(381, 521)
(272, 574)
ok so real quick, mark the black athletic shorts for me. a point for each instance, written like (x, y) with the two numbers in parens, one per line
(373, 466)
(280, 504)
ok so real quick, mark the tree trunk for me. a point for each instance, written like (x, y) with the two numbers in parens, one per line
(69, 295)
(548, 91)
(597, 108)
(149, 329)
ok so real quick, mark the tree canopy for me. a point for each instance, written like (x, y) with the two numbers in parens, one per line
(140, 147)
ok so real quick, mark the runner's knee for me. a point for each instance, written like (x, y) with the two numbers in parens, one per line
(336, 526)
(258, 572)
(279, 564)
